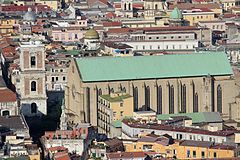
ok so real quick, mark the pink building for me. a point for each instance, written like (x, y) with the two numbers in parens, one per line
(67, 34)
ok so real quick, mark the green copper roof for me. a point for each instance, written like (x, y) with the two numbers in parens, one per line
(197, 117)
(94, 69)
(115, 99)
(69, 52)
(176, 14)
(117, 123)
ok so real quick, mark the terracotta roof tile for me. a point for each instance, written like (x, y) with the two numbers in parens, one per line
(7, 95)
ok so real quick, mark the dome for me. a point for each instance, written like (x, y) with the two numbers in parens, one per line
(91, 34)
(176, 14)
(29, 16)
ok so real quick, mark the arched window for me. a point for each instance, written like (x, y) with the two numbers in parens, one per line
(135, 98)
(33, 108)
(33, 86)
(5, 113)
(156, 6)
(219, 99)
(129, 6)
(112, 90)
(147, 98)
(124, 89)
(183, 99)
(171, 99)
(33, 61)
(195, 102)
(159, 100)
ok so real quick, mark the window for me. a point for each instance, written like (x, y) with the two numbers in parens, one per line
(33, 61)
(159, 100)
(121, 104)
(219, 99)
(61, 70)
(33, 86)
(171, 99)
(214, 154)
(64, 78)
(203, 154)
(157, 37)
(156, 6)
(5, 113)
(150, 38)
(134, 146)
(121, 113)
(135, 98)
(114, 114)
(194, 154)
(76, 36)
(147, 98)
(33, 108)
(52, 79)
(56, 78)
(188, 153)
(183, 99)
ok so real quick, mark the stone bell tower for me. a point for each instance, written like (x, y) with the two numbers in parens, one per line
(32, 79)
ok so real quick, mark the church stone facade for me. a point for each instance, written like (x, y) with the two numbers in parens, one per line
(207, 89)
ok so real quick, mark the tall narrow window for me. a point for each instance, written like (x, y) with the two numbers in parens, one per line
(129, 6)
(135, 98)
(219, 99)
(159, 100)
(33, 86)
(33, 61)
(147, 98)
(98, 93)
(183, 99)
(195, 103)
(88, 104)
(156, 6)
(124, 89)
(112, 90)
(171, 99)
(33, 108)
(125, 6)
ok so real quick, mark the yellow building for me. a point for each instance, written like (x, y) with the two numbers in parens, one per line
(185, 149)
(6, 25)
(111, 108)
(33, 152)
(195, 15)
(53, 4)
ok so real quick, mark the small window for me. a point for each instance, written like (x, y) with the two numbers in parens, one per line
(150, 38)
(33, 86)
(188, 153)
(215, 154)
(121, 104)
(64, 78)
(194, 154)
(56, 78)
(52, 79)
(33, 61)
(157, 37)
(61, 70)
(203, 154)
(33, 108)
(121, 113)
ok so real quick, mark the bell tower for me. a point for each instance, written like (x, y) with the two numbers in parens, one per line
(32, 78)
